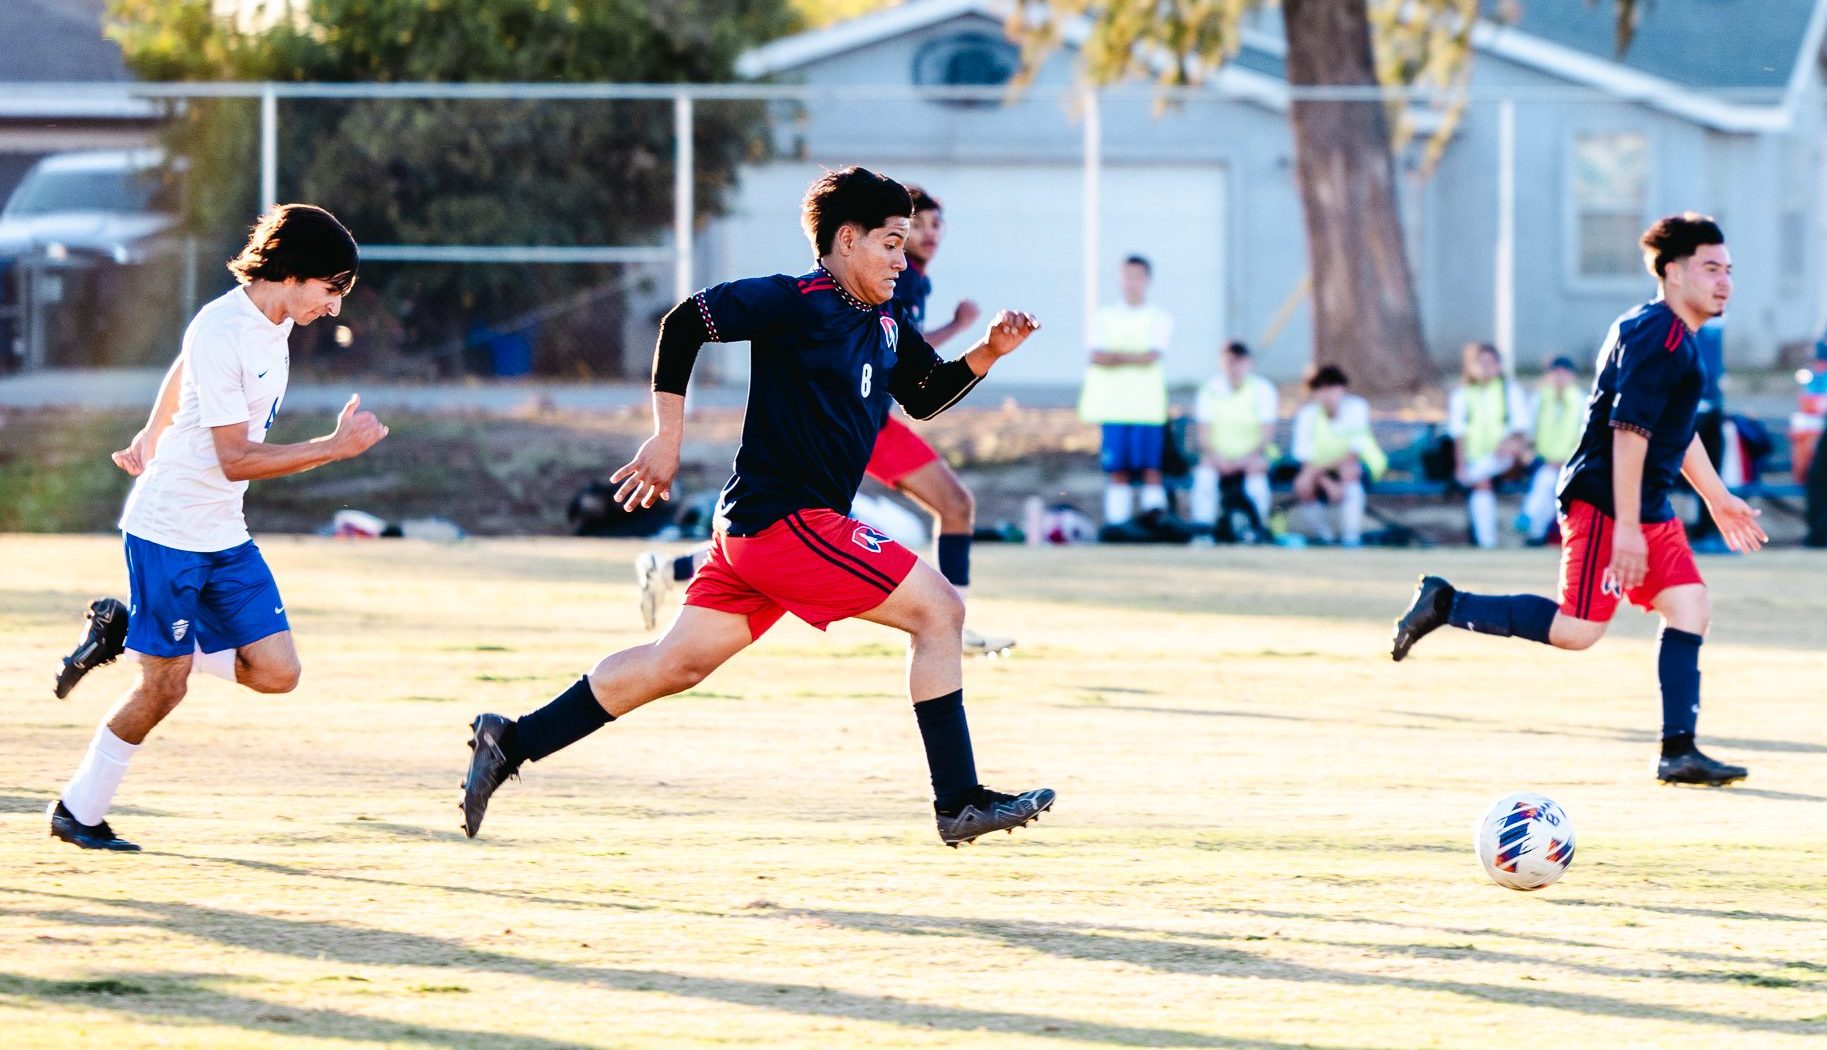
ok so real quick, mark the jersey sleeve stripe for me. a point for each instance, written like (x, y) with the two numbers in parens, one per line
(704, 312)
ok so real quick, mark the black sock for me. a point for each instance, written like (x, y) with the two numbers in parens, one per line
(948, 749)
(571, 716)
(1505, 615)
(1677, 745)
(955, 558)
(1678, 670)
(684, 567)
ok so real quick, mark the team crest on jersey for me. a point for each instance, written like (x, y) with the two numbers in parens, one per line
(891, 332)
(179, 628)
(868, 538)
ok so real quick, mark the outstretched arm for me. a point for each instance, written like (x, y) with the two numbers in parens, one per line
(925, 385)
(243, 459)
(649, 475)
(1737, 520)
(138, 454)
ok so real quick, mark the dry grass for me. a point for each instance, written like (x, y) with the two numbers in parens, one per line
(1261, 839)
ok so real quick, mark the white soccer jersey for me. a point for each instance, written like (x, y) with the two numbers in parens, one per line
(235, 367)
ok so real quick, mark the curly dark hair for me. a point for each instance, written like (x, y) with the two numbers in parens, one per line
(301, 241)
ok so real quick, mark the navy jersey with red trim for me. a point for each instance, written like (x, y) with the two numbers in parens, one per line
(1650, 378)
(911, 290)
(824, 367)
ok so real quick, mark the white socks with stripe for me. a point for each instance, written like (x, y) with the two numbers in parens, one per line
(91, 791)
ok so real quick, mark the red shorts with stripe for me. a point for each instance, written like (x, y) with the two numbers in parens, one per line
(819, 565)
(1586, 553)
(898, 452)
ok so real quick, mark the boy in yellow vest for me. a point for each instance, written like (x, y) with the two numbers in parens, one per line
(1126, 393)
(1560, 418)
(1333, 442)
(1489, 423)
(1236, 412)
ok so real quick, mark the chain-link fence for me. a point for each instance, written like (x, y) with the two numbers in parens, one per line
(542, 229)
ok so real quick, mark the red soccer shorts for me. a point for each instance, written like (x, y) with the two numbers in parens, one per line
(819, 565)
(898, 452)
(1586, 554)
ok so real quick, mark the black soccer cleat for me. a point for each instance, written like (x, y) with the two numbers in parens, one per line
(1696, 769)
(104, 638)
(1432, 604)
(986, 811)
(489, 767)
(65, 826)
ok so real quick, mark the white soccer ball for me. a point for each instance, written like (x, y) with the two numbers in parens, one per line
(1525, 841)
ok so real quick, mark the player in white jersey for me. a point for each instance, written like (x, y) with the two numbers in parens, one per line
(202, 596)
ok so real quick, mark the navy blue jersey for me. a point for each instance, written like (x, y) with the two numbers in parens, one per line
(1649, 381)
(823, 369)
(911, 290)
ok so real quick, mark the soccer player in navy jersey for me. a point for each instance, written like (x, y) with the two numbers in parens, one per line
(831, 352)
(902, 459)
(1622, 538)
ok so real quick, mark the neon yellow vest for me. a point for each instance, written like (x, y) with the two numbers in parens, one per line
(1487, 412)
(1330, 445)
(1236, 430)
(1559, 423)
(1124, 393)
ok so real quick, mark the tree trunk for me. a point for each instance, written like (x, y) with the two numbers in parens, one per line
(1364, 312)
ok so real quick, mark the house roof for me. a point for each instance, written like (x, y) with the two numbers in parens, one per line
(1702, 44)
(1672, 64)
(56, 40)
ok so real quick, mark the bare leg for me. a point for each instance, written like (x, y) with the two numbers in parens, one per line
(699, 641)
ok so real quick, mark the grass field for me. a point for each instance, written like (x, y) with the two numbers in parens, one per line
(1261, 839)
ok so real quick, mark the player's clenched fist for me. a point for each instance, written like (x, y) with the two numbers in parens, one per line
(357, 431)
(1008, 328)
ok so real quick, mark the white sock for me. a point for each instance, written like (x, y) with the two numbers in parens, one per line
(1313, 520)
(1154, 497)
(91, 791)
(1256, 486)
(1351, 515)
(220, 663)
(1484, 517)
(1539, 507)
(1205, 496)
(1119, 503)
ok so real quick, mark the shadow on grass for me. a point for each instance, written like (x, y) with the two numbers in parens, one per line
(181, 1000)
(1074, 941)
(368, 946)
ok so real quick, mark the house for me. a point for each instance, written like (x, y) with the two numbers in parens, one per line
(1204, 186)
(61, 41)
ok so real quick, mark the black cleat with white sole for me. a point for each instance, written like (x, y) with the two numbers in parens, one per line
(104, 638)
(489, 767)
(986, 811)
(1427, 612)
(65, 826)
(1695, 769)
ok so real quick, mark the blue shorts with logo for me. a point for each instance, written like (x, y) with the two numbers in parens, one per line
(1133, 446)
(184, 600)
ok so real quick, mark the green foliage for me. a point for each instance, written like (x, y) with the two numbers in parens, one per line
(460, 172)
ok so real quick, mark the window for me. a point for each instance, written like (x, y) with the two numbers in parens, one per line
(1610, 202)
(967, 60)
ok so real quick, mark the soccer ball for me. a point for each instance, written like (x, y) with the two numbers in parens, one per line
(1524, 840)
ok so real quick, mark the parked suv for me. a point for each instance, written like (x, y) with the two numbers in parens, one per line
(87, 246)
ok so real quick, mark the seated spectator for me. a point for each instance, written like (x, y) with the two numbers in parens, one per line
(1489, 424)
(1235, 412)
(1560, 415)
(1336, 451)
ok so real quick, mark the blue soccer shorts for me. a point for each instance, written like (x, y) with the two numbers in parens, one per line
(185, 600)
(1133, 447)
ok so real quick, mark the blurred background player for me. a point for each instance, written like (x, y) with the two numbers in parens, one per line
(901, 460)
(1559, 417)
(1236, 411)
(1126, 395)
(203, 598)
(1621, 538)
(831, 352)
(1489, 423)
(1335, 448)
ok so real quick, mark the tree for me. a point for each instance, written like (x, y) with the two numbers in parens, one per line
(1365, 317)
(462, 172)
